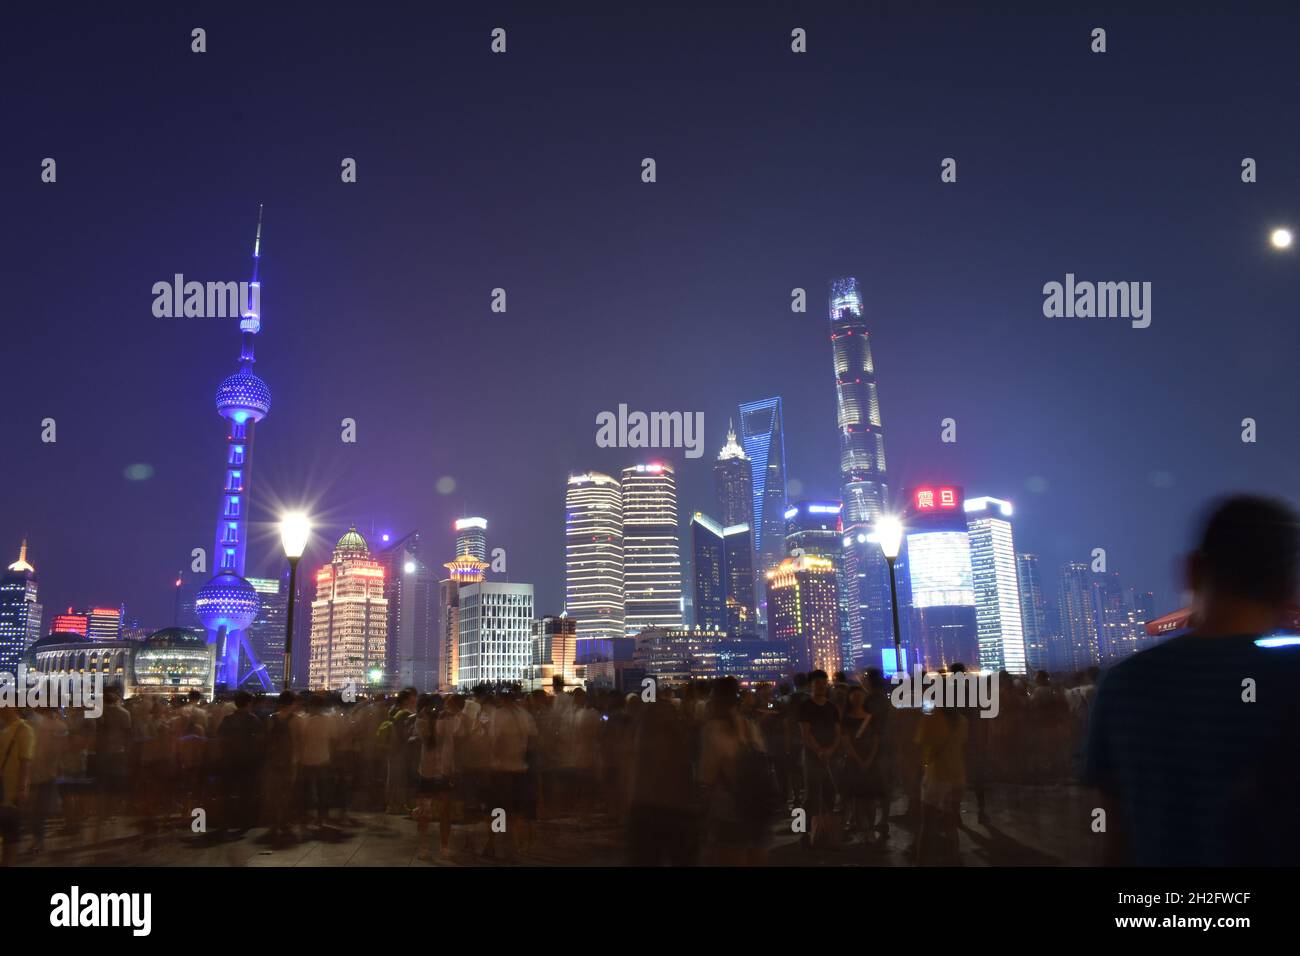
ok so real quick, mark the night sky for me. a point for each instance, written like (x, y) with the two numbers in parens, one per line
(522, 171)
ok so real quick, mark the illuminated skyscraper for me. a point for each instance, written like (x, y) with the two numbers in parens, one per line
(465, 568)
(104, 623)
(722, 560)
(228, 604)
(1078, 647)
(803, 612)
(266, 633)
(593, 556)
(471, 537)
(763, 435)
(411, 588)
(20, 612)
(733, 482)
(495, 621)
(936, 568)
(997, 590)
(349, 619)
(652, 568)
(862, 466)
(555, 653)
(1033, 612)
(814, 527)
(70, 622)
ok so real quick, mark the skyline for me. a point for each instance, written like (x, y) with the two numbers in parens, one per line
(1117, 427)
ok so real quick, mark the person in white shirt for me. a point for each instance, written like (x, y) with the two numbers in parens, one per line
(511, 733)
(313, 741)
(439, 735)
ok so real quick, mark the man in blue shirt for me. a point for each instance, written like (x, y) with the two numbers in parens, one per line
(1192, 744)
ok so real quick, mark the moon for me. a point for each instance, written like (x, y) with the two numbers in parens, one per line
(1281, 238)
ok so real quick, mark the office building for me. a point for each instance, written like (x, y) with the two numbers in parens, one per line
(999, 627)
(652, 573)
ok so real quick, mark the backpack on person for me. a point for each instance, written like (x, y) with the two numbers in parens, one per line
(394, 732)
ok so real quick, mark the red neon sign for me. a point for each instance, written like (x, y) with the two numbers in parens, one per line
(931, 499)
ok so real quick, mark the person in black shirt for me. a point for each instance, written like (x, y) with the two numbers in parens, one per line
(1191, 744)
(242, 738)
(819, 724)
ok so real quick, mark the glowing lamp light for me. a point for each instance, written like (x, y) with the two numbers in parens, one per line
(889, 535)
(409, 567)
(1278, 640)
(376, 675)
(1281, 238)
(295, 529)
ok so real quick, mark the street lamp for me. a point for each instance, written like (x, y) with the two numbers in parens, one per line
(889, 534)
(295, 529)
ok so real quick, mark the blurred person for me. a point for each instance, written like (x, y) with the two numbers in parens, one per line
(662, 823)
(879, 780)
(737, 781)
(395, 734)
(793, 703)
(279, 771)
(941, 736)
(511, 733)
(242, 736)
(51, 733)
(578, 745)
(112, 759)
(440, 734)
(860, 748)
(1191, 742)
(819, 724)
(17, 752)
(314, 746)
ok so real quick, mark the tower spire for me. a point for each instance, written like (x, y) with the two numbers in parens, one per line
(251, 321)
(21, 564)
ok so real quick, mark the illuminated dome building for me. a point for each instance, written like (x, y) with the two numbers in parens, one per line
(68, 654)
(228, 604)
(175, 660)
(349, 619)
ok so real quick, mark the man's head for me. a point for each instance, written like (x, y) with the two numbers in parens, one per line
(819, 683)
(1246, 562)
(242, 699)
(286, 699)
(406, 700)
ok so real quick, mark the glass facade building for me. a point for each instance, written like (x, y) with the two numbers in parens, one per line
(997, 587)
(652, 569)
(593, 555)
(863, 486)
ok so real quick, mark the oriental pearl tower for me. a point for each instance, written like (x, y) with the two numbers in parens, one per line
(228, 604)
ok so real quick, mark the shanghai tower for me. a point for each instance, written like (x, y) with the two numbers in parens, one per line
(228, 603)
(862, 475)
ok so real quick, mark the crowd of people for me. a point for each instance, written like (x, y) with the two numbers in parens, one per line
(707, 771)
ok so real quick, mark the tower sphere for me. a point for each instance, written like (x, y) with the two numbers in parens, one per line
(227, 600)
(243, 397)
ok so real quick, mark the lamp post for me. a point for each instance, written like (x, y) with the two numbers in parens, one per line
(295, 529)
(889, 533)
